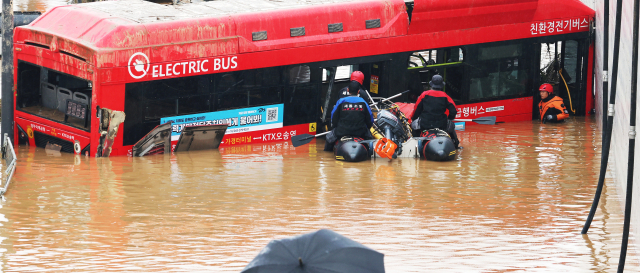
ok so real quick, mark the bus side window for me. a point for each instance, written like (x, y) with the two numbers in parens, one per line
(44, 92)
(177, 96)
(267, 89)
(299, 74)
(28, 89)
(499, 71)
(248, 88)
(229, 93)
(301, 94)
(147, 102)
(199, 100)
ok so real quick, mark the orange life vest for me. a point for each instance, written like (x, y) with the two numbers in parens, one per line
(557, 103)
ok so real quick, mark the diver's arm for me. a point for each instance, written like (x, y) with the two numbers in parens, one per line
(563, 111)
(417, 110)
(369, 119)
(335, 115)
(452, 111)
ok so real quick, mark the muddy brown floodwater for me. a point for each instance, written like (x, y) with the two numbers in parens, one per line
(37, 5)
(514, 200)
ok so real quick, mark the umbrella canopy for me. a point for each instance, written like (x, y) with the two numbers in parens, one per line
(320, 251)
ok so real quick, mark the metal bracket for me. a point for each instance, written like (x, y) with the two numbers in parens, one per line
(632, 132)
(612, 110)
(605, 75)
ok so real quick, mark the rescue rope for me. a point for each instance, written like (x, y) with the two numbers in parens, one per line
(569, 93)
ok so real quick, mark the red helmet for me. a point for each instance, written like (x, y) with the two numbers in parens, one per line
(546, 87)
(357, 76)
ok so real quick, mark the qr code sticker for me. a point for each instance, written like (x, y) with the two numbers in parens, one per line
(272, 114)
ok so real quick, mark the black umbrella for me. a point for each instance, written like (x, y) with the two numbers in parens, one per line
(319, 251)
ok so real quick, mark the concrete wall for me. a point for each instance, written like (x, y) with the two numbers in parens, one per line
(620, 137)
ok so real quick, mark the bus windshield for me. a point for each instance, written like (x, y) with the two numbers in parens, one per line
(53, 95)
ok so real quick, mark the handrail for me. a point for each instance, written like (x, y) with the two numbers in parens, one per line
(436, 65)
(567, 86)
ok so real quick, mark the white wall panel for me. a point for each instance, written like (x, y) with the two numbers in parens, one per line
(620, 138)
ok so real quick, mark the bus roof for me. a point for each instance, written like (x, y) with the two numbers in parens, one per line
(106, 33)
(148, 12)
(228, 26)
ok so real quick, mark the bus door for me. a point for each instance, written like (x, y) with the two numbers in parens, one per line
(446, 62)
(337, 78)
(563, 64)
(491, 79)
(373, 73)
(301, 94)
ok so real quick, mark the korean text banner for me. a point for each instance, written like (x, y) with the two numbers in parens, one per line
(239, 120)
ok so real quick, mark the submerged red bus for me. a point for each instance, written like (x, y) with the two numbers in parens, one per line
(95, 78)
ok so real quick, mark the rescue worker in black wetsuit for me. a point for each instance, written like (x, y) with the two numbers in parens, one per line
(350, 117)
(359, 77)
(430, 111)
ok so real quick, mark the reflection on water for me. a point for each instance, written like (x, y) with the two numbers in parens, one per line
(515, 200)
(37, 5)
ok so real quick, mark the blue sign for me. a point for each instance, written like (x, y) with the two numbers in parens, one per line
(239, 120)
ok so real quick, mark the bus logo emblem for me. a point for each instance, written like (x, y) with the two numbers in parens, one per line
(140, 64)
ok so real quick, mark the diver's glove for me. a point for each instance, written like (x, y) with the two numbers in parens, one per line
(552, 118)
(549, 118)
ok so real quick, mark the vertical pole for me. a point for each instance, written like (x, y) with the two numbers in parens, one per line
(632, 138)
(605, 67)
(7, 68)
(332, 77)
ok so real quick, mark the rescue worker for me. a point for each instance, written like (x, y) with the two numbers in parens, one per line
(350, 117)
(359, 77)
(429, 111)
(551, 106)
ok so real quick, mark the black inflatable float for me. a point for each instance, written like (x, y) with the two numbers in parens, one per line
(436, 145)
(353, 149)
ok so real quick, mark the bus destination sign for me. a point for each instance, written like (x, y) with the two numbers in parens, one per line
(559, 26)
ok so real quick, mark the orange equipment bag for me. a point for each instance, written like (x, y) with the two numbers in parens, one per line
(385, 148)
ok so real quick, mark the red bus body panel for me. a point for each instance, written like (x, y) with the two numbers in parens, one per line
(37, 124)
(591, 102)
(518, 109)
(95, 43)
(439, 16)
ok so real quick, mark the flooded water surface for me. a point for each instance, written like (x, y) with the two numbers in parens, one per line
(37, 5)
(514, 200)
